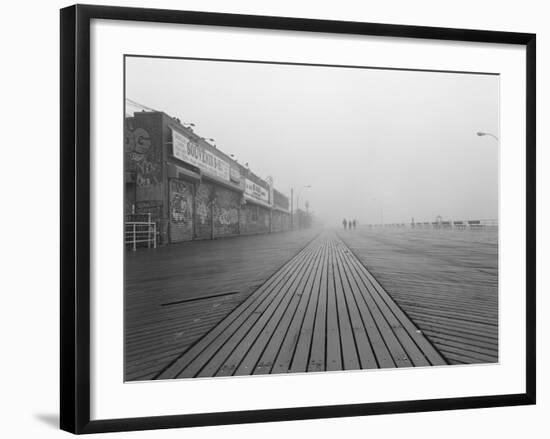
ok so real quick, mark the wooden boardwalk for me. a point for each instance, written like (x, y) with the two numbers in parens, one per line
(174, 295)
(322, 310)
(446, 281)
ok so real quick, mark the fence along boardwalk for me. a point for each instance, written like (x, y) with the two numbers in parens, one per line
(321, 311)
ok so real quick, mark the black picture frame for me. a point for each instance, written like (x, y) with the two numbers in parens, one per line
(75, 217)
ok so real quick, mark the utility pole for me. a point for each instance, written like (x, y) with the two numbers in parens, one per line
(291, 208)
(298, 203)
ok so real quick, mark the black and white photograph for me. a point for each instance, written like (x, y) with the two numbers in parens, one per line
(275, 219)
(284, 218)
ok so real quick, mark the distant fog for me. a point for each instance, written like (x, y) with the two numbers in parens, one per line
(375, 145)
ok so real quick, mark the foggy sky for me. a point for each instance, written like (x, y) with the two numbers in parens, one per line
(371, 143)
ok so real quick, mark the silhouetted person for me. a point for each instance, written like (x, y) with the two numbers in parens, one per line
(354, 224)
(345, 223)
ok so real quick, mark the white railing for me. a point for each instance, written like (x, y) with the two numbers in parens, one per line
(481, 224)
(140, 232)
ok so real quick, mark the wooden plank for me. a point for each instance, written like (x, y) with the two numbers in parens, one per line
(226, 327)
(209, 362)
(419, 350)
(286, 351)
(333, 348)
(447, 283)
(154, 277)
(399, 355)
(476, 350)
(350, 359)
(382, 354)
(459, 325)
(322, 311)
(470, 343)
(244, 358)
(317, 355)
(365, 352)
(268, 355)
(305, 336)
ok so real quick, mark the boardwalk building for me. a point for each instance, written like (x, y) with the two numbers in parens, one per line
(256, 208)
(280, 219)
(192, 189)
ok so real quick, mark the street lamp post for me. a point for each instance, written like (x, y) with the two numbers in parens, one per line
(481, 134)
(298, 201)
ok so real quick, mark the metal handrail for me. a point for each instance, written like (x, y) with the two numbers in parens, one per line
(138, 232)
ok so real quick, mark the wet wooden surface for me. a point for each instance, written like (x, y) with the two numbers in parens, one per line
(300, 301)
(322, 310)
(176, 294)
(446, 281)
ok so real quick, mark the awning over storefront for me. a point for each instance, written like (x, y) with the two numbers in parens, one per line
(222, 183)
(280, 209)
(250, 200)
(175, 171)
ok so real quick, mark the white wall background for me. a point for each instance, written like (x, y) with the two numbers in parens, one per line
(30, 203)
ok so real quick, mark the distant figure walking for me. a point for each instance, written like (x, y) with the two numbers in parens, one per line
(345, 223)
(354, 224)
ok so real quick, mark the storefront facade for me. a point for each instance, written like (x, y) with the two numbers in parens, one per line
(256, 208)
(192, 190)
(281, 212)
